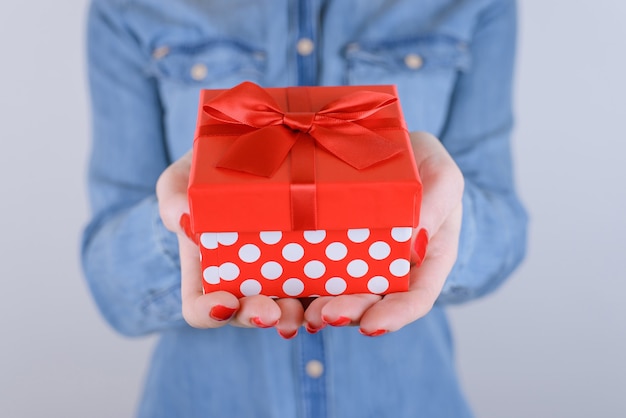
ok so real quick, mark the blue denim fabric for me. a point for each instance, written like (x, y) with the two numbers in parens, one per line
(147, 61)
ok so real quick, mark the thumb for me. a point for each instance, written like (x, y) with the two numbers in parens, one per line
(171, 191)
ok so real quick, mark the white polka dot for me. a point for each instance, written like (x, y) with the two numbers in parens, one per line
(229, 271)
(336, 286)
(271, 270)
(315, 237)
(250, 287)
(336, 251)
(227, 238)
(379, 250)
(400, 267)
(271, 237)
(293, 252)
(357, 268)
(211, 275)
(209, 240)
(314, 269)
(249, 253)
(377, 284)
(293, 287)
(401, 234)
(358, 235)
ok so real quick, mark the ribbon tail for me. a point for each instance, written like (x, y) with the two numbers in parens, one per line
(259, 152)
(359, 147)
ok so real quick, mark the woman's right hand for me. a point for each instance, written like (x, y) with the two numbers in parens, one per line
(214, 309)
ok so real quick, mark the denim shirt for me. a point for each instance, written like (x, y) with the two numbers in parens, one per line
(452, 62)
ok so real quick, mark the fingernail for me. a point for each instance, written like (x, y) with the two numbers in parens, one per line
(312, 330)
(342, 321)
(257, 322)
(221, 313)
(288, 334)
(420, 245)
(373, 333)
(185, 224)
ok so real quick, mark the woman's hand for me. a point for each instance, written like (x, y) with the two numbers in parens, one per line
(440, 219)
(218, 308)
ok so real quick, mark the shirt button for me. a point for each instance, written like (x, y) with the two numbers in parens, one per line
(314, 368)
(305, 46)
(413, 61)
(199, 72)
(160, 52)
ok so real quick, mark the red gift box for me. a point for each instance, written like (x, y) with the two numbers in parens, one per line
(303, 191)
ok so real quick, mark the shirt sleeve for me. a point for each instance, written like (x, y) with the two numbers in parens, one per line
(130, 260)
(477, 135)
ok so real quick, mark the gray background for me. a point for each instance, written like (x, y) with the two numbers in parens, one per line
(551, 343)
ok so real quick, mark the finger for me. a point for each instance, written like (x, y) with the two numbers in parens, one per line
(291, 317)
(313, 321)
(171, 190)
(399, 309)
(442, 181)
(199, 310)
(347, 309)
(257, 311)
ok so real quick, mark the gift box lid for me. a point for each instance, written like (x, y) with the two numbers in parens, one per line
(384, 195)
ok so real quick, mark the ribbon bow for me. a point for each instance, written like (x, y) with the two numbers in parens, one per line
(335, 127)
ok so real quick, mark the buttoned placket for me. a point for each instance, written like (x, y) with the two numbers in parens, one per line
(311, 361)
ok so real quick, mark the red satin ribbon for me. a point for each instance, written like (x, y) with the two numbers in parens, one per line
(276, 132)
(335, 127)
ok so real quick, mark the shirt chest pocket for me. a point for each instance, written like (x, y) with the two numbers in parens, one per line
(181, 71)
(424, 69)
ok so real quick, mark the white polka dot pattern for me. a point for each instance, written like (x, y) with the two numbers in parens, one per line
(314, 237)
(336, 286)
(336, 251)
(358, 235)
(293, 287)
(229, 271)
(271, 237)
(377, 284)
(211, 275)
(401, 234)
(400, 267)
(379, 250)
(209, 240)
(249, 253)
(293, 252)
(227, 238)
(271, 270)
(314, 269)
(250, 287)
(306, 263)
(357, 268)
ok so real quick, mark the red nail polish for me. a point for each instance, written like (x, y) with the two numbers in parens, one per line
(185, 224)
(288, 334)
(311, 330)
(221, 313)
(257, 322)
(373, 333)
(420, 244)
(342, 321)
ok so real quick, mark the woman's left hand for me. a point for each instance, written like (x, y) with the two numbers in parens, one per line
(440, 219)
